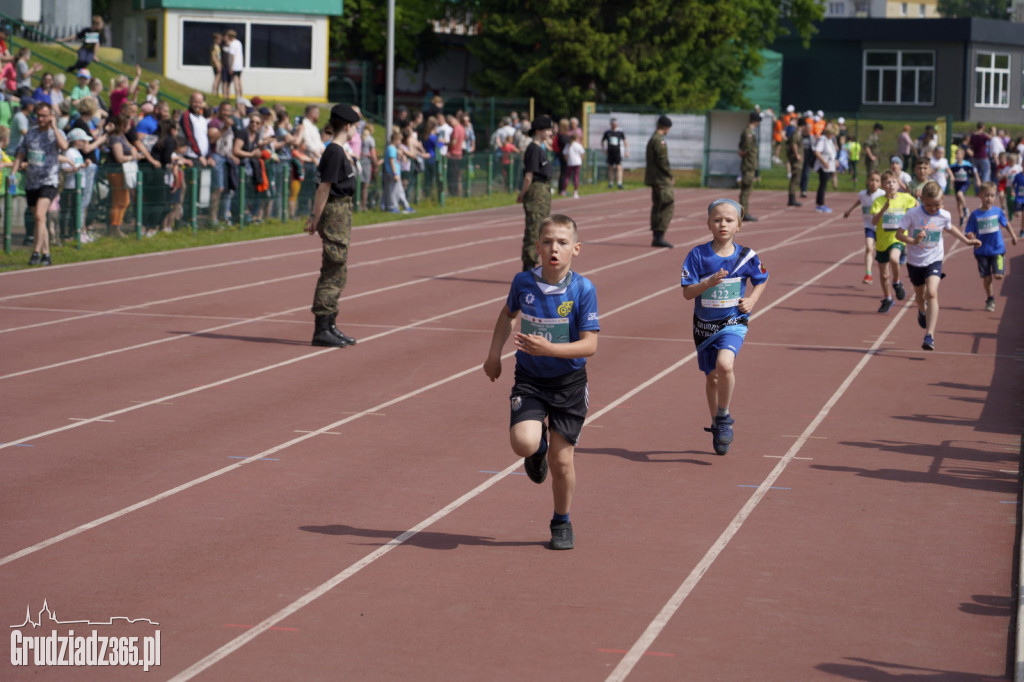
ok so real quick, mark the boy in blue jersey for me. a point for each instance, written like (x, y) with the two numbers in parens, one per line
(987, 224)
(714, 277)
(558, 333)
(963, 173)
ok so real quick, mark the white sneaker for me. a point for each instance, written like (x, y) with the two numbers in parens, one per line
(575, 195)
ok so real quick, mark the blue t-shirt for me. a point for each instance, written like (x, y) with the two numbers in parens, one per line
(148, 126)
(559, 312)
(988, 227)
(391, 153)
(1018, 189)
(721, 302)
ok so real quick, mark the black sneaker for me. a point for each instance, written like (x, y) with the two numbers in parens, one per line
(45, 260)
(35, 258)
(562, 536)
(901, 293)
(721, 434)
(886, 304)
(922, 321)
(536, 465)
(928, 343)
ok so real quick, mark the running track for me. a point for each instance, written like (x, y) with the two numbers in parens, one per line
(174, 450)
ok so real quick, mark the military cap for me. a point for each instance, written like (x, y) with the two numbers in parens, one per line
(664, 122)
(344, 112)
(541, 123)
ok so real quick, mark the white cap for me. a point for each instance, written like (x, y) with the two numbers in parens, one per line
(820, 112)
(808, 113)
(841, 120)
(790, 109)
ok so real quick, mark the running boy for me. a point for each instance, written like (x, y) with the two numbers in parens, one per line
(559, 332)
(714, 277)
(921, 230)
(963, 173)
(865, 198)
(922, 173)
(986, 224)
(886, 215)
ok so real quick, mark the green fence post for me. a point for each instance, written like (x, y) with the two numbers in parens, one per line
(490, 173)
(7, 219)
(138, 204)
(193, 198)
(76, 206)
(442, 179)
(241, 197)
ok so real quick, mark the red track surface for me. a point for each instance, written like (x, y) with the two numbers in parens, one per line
(174, 450)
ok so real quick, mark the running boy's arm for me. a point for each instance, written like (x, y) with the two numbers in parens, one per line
(876, 218)
(502, 329)
(692, 291)
(1009, 228)
(747, 303)
(847, 212)
(970, 241)
(538, 345)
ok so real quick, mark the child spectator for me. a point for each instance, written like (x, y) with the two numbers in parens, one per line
(559, 332)
(853, 151)
(72, 167)
(963, 173)
(153, 92)
(986, 224)
(1000, 174)
(573, 161)
(80, 90)
(1006, 177)
(394, 169)
(886, 215)
(921, 229)
(865, 199)
(714, 277)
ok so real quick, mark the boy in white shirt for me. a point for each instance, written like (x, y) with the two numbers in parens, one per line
(865, 198)
(940, 171)
(921, 230)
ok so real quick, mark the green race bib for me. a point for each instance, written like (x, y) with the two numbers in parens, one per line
(725, 294)
(988, 225)
(930, 236)
(555, 330)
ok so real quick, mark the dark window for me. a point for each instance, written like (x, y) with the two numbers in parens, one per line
(197, 37)
(151, 39)
(281, 46)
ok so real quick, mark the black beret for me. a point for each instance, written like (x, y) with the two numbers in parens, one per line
(755, 116)
(664, 122)
(541, 123)
(344, 113)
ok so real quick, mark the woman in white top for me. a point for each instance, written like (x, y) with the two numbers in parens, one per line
(825, 153)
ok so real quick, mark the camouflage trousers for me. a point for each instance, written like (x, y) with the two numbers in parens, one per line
(795, 168)
(537, 207)
(746, 184)
(335, 229)
(663, 207)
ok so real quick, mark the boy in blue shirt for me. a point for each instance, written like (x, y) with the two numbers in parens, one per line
(714, 277)
(559, 331)
(987, 224)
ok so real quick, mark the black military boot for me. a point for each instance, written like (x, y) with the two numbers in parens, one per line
(659, 241)
(348, 339)
(323, 336)
(793, 201)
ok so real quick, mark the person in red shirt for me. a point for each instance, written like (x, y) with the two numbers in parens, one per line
(456, 145)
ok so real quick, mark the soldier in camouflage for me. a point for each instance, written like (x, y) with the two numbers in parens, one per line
(332, 220)
(535, 195)
(658, 176)
(870, 148)
(795, 157)
(748, 163)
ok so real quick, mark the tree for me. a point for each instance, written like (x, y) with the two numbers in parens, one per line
(361, 32)
(668, 54)
(989, 9)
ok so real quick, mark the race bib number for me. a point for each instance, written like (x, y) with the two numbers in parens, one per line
(725, 294)
(891, 221)
(613, 141)
(865, 209)
(930, 236)
(555, 330)
(36, 157)
(988, 225)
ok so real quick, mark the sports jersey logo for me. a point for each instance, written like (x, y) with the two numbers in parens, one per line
(764, 271)
(517, 402)
(686, 274)
(529, 298)
(565, 309)
(592, 317)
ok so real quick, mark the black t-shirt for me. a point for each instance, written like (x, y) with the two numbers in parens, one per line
(163, 150)
(336, 169)
(614, 139)
(535, 161)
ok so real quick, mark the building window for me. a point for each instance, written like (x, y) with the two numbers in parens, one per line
(837, 9)
(992, 79)
(151, 38)
(265, 46)
(920, 11)
(903, 9)
(899, 77)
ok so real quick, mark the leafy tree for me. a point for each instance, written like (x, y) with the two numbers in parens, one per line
(361, 33)
(668, 54)
(990, 9)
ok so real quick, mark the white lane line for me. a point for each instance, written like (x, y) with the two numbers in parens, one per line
(262, 318)
(314, 594)
(656, 626)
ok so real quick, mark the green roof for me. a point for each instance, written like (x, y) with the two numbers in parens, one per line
(328, 7)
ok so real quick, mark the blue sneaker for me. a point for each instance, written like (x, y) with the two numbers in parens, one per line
(922, 321)
(928, 343)
(721, 434)
(823, 209)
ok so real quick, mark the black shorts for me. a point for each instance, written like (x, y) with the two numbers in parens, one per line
(564, 400)
(32, 196)
(614, 156)
(919, 273)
